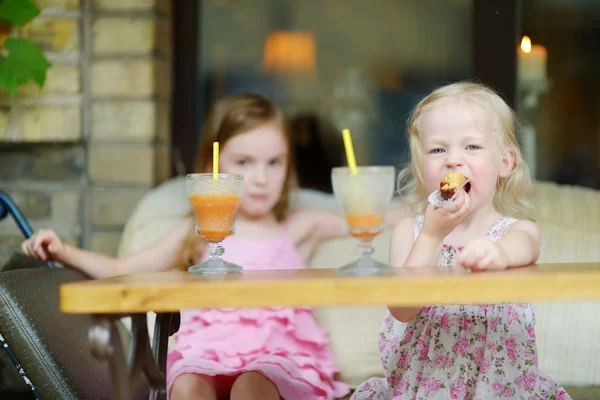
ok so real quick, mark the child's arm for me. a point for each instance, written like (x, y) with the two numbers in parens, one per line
(522, 243)
(520, 246)
(322, 225)
(424, 252)
(318, 226)
(160, 256)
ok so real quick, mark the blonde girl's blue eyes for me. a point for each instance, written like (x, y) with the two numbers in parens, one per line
(242, 162)
(440, 150)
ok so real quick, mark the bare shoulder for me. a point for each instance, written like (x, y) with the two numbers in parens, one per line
(403, 228)
(401, 241)
(315, 225)
(301, 218)
(527, 227)
(301, 223)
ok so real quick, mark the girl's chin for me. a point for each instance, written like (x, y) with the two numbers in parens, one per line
(254, 213)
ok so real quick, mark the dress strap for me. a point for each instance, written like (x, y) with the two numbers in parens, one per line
(499, 228)
(419, 219)
(495, 233)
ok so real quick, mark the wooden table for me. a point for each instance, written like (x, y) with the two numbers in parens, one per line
(134, 295)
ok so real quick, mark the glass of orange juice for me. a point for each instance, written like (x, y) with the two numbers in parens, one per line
(215, 201)
(364, 198)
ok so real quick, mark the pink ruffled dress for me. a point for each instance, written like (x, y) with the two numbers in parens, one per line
(284, 344)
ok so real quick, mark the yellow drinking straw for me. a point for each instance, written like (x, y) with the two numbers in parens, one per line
(349, 151)
(215, 160)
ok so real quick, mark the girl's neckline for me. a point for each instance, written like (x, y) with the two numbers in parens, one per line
(285, 232)
(260, 239)
(495, 226)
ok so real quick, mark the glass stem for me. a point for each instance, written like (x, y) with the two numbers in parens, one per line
(365, 249)
(215, 251)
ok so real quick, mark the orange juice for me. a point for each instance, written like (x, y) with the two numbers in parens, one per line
(215, 214)
(364, 226)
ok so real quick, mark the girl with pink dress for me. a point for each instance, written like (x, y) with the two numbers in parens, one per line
(485, 351)
(262, 353)
(253, 353)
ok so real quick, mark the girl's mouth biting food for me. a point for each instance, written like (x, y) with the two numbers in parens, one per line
(452, 183)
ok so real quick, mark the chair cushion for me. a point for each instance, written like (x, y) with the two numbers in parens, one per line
(51, 346)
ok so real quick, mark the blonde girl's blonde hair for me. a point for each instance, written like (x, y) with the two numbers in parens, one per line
(510, 198)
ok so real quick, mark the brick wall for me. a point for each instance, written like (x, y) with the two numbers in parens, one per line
(79, 154)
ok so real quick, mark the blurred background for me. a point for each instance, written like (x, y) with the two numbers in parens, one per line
(130, 82)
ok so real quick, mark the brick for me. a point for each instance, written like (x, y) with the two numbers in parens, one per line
(49, 123)
(163, 79)
(163, 122)
(47, 206)
(118, 36)
(60, 79)
(65, 4)
(162, 164)
(164, 6)
(123, 78)
(113, 206)
(122, 164)
(124, 5)
(3, 123)
(34, 204)
(105, 243)
(53, 35)
(42, 164)
(163, 35)
(124, 120)
(66, 209)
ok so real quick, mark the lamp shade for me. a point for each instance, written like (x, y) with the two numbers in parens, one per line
(288, 51)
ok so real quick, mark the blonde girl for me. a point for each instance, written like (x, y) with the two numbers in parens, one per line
(485, 351)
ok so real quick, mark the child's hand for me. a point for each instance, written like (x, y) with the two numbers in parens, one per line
(44, 245)
(483, 254)
(439, 222)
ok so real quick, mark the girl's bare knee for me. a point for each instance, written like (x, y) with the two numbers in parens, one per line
(253, 385)
(191, 386)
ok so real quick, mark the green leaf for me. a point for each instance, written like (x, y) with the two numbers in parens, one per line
(18, 12)
(23, 62)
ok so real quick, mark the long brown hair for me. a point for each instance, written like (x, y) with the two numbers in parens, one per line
(239, 113)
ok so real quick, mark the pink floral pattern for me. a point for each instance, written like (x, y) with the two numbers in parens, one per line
(471, 352)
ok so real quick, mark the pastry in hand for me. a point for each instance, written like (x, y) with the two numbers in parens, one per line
(451, 183)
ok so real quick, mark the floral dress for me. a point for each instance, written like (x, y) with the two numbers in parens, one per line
(478, 352)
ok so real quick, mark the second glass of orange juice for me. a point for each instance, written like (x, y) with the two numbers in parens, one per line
(364, 197)
(215, 201)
